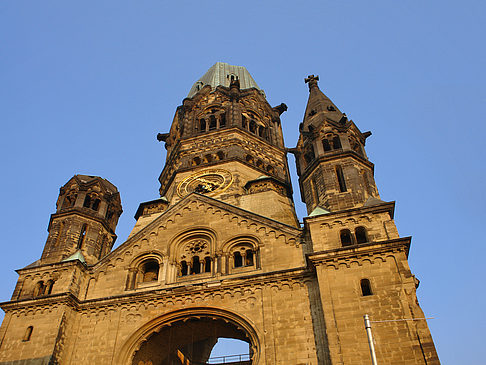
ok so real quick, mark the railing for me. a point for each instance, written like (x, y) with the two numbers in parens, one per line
(228, 359)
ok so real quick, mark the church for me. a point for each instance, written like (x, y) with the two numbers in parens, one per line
(222, 254)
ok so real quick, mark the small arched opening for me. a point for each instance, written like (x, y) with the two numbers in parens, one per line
(361, 235)
(346, 237)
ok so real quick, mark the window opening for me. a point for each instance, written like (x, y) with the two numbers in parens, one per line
(346, 238)
(87, 202)
(202, 125)
(220, 155)
(212, 123)
(96, 204)
(361, 236)
(150, 271)
(196, 265)
(222, 121)
(336, 143)
(238, 260)
(207, 264)
(249, 258)
(82, 236)
(340, 176)
(326, 145)
(184, 268)
(49, 285)
(366, 287)
(28, 333)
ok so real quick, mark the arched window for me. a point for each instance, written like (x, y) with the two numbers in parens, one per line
(346, 237)
(361, 236)
(69, 200)
(212, 123)
(253, 127)
(207, 264)
(270, 169)
(150, 271)
(208, 158)
(82, 236)
(184, 268)
(336, 143)
(326, 145)
(238, 260)
(366, 287)
(28, 333)
(249, 159)
(220, 155)
(196, 265)
(196, 161)
(39, 289)
(49, 285)
(96, 204)
(222, 121)
(87, 201)
(249, 258)
(202, 125)
(260, 164)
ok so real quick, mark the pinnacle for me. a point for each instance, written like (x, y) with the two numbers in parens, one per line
(319, 107)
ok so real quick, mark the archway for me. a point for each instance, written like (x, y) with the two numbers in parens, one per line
(187, 337)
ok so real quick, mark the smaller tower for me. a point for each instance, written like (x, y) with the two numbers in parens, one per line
(87, 213)
(334, 171)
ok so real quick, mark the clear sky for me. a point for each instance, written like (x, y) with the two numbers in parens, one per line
(85, 87)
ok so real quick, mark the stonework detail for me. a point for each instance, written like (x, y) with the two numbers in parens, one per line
(221, 252)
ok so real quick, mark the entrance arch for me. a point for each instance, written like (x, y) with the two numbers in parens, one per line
(187, 335)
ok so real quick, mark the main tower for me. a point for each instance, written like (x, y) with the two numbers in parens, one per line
(220, 252)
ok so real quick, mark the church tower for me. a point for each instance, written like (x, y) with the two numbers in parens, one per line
(334, 172)
(87, 213)
(226, 142)
(219, 253)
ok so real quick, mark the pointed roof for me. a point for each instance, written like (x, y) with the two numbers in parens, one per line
(319, 106)
(76, 256)
(319, 211)
(220, 74)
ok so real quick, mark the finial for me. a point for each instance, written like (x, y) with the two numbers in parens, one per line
(311, 80)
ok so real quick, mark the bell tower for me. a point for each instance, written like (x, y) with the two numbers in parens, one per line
(226, 142)
(334, 171)
(87, 213)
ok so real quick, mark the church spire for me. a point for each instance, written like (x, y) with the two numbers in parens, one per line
(320, 109)
(334, 171)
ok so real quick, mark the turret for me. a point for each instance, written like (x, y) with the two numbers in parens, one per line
(334, 171)
(88, 209)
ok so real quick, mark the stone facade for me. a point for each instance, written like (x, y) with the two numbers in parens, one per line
(222, 254)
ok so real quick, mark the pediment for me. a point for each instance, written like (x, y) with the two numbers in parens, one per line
(197, 212)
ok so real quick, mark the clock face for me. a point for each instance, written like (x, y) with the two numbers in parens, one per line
(210, 182)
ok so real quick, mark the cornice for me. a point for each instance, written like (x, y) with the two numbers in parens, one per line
(385, 207)
(371, 249)
(179, 290)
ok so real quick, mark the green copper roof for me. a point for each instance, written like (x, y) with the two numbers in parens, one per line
(76, 256)
(319, 211)
(220, 74)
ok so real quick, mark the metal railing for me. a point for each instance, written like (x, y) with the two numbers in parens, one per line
(228, 359)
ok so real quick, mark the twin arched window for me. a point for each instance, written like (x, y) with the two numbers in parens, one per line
(42, 288)
(92, 201)
(347, 238)
(331, 142)
(214, 120)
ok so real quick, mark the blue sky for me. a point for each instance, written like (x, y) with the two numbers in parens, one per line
(86, 86)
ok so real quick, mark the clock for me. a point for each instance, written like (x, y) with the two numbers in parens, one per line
(209, 182)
